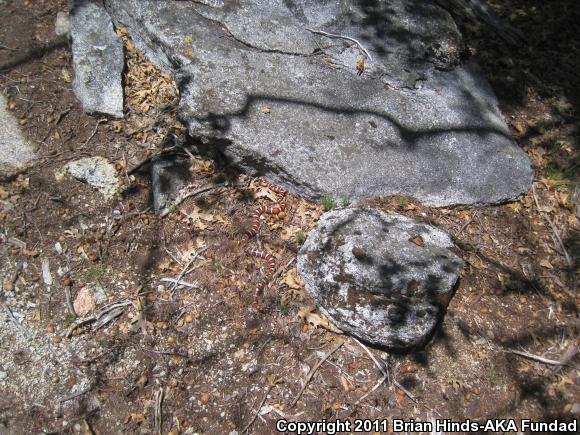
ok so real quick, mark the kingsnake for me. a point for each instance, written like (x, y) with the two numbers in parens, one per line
(280, 207)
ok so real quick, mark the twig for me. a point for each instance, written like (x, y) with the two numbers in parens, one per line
(313, 371)
(377, 385)
(281, 269)
(366, 349)
(146, 160)
(407, 393)
(180, 199)
(103, 317)
(158, 414)
(5, 47)
(348, 38)
(78, 322)
(73, 395)
(185, 269)
(69, 304)
(171, 255)
(179, 282)
(466, 224)
(539, 358)
(562, 247)
(257, 412)
(94, 132)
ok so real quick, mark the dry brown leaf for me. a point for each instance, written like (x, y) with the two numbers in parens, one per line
(30, 252)
(294, 297)
(408, 368)
(418, 240)
(546, 264)
(165, 265)
(292, 279)
(315, 319)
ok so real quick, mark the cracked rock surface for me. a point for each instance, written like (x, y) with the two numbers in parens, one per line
(97, 59)
(282, 101)
(384, 278)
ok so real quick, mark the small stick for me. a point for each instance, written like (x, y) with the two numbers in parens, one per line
(199, 191)
(185, 269)
(539, 358)
(466, 224)
(72, 396)
(348, 38)
(257, 412)
(366, 349)
(313, 371)
(94, 132)
(179, 282)
(566, 255)
(377, 385)
(148, 159)
(404, 390)
(171, 255)
(158, 415)
(78, 322)
(69, 304)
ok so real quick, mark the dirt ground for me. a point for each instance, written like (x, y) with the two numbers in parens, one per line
(197, 358)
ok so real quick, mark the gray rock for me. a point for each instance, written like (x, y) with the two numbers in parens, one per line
(386, 279)
(62, 24)
(283, 102)
(15, 150)
(95, 171)
(98, 59)
(168, 175)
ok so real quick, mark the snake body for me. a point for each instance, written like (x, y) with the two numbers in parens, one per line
(275, 210)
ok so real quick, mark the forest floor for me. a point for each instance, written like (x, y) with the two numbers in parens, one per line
(199, 358)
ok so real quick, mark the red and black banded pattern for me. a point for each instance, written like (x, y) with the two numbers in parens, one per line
(257, 297)
(275, 210)
(280, 207)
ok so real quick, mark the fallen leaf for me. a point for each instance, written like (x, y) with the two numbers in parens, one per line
(292, 280)
(30, 252)
(546, 264)
(315, 319)
(418, 240)
(408, 368)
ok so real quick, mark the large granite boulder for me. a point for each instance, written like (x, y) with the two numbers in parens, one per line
(383, 278)
(98, 59)
(279, 98)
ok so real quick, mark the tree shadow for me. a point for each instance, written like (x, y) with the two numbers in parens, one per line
(34, 53)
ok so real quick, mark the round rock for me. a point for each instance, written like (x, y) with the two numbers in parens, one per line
(384, 278)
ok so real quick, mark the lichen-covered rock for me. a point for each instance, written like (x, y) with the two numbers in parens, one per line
(384, 278)
(98, 59)
(95, 171)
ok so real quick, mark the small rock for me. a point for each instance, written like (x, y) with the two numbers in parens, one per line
(372, 280)
(168, 174)
(62, 25)
(3, 375)
(85, 301)
(100, 295)
(96, 171)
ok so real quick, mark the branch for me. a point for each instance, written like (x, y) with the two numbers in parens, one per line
(348, 38)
